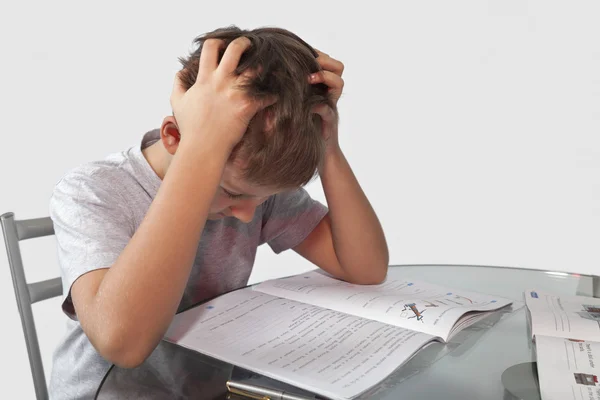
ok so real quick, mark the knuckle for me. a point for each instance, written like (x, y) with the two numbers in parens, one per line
(245, 106)
(231, 97)
(240, 42)
(212, 43)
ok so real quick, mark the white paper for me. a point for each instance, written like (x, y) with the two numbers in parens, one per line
(327, 352)
(398, 301)
(564, 316)
(567, 368)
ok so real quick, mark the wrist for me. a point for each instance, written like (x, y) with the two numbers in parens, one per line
(206, 144)
(333, 157)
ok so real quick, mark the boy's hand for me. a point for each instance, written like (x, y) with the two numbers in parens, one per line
(331, 75)
(215, 109)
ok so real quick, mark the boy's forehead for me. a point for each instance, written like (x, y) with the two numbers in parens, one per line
(233, 181)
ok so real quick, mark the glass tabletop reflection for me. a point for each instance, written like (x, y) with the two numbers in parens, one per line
(468, 367)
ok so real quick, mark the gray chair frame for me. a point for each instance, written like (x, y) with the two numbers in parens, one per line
(29, 293)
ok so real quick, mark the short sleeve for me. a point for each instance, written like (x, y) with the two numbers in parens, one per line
(91, 223)
(288, 218)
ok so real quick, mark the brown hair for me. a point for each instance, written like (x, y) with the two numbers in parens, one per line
(289, 154)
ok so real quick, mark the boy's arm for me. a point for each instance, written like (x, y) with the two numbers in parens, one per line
(349, 242)
(126, 309)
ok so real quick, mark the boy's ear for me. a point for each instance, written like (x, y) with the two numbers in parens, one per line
(169, 134)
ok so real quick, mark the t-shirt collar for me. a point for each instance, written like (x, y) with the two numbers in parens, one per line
(148, 178)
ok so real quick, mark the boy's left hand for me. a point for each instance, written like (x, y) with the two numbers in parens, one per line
(331, 75)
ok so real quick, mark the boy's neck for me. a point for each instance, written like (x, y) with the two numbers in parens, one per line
(157, 158)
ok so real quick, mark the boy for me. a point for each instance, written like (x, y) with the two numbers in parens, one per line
(178, 219)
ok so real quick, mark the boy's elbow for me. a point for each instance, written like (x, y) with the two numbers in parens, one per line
(380, 277)
(377, 277)
(124, 353)
(129, 359)
(378, 271)
(373, 276)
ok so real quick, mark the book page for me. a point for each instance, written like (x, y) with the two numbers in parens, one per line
(323, 351)
(563, 316)
(398, 301)
(567, 368)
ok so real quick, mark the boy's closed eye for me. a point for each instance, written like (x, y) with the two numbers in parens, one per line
(230, 194)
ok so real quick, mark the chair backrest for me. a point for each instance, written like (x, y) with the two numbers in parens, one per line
(29, 293)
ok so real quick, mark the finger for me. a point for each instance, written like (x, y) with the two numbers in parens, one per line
(320, 53)
(330, 79)
(254, 107)
(267, 102)
(325, 112)
(261, 104)
(250, 74)
(232, 55)
(330, 64)
(209, 56)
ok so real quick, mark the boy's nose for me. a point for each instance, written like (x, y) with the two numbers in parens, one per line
(244, 213)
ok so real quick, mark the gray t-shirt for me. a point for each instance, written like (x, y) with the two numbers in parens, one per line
(97, 207)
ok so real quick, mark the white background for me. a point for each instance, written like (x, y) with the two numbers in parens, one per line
(473, 126)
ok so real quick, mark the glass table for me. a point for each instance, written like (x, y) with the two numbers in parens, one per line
(468, 367)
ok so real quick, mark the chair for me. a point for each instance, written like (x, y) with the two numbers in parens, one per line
(29, 293)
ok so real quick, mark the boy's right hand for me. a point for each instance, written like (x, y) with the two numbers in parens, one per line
(215, 109)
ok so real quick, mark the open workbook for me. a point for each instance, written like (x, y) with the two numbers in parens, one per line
(566, 331)
(324, 335)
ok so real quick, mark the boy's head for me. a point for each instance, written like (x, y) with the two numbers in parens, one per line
(283, 145)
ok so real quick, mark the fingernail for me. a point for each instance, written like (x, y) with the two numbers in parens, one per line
(313, 77)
